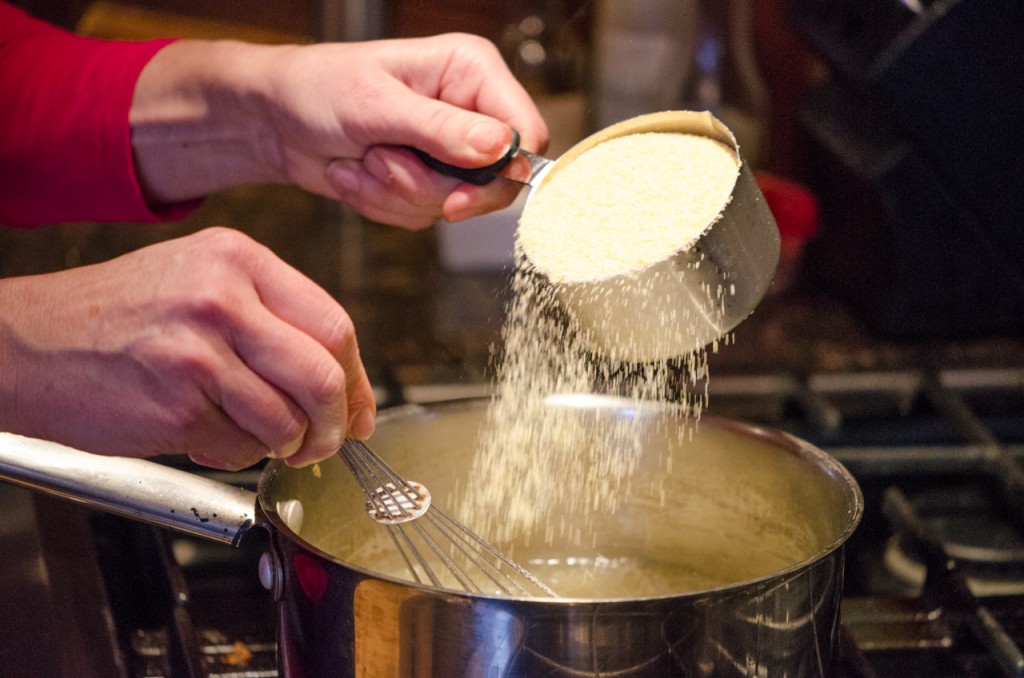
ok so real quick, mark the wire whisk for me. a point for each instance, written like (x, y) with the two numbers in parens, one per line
(436, 547)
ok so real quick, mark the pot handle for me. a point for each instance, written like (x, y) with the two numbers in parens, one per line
(133, 488)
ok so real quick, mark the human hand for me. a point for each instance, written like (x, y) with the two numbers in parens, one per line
(450, 96)
(334, 118)
(207, 345)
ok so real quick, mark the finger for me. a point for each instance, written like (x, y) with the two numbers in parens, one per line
(452, 134)
(292, 297)
(299, 366)
(225, 446)
(406, 178)
(391, 186)
(320, 324)
(247, 418)
(361, 402)
(362, 408)
(471, 104)
(258, 407)
(468, 201)
(460, 137)
(484, 83)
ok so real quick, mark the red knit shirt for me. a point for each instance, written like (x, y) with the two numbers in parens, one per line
(65, 142)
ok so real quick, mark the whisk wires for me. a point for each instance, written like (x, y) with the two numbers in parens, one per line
(434, 544)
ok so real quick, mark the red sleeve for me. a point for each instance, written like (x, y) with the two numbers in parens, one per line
(65, 142)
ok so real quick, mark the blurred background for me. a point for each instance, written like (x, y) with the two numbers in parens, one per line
(881, 130)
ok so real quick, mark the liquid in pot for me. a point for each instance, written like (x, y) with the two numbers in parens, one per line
(625, 576)
(734, 508)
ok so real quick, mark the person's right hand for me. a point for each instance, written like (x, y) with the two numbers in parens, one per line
(335, 119)
(207, 345)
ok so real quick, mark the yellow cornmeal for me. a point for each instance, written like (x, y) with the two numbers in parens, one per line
(626, 204)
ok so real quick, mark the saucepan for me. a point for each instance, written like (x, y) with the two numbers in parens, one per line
(759, 517)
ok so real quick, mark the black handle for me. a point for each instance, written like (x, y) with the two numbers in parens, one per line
(474, 175)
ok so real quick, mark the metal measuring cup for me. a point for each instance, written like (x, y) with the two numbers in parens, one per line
(687, 300)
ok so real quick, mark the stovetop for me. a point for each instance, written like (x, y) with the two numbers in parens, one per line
(934, 582)
(935, 573)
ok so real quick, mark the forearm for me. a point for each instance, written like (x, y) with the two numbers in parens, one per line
(198, 120)
(12, 302)
(31, 368)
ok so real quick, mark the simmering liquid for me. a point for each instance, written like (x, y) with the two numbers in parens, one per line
(622, 577)
(572, 574)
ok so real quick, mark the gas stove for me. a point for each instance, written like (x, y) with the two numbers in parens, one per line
(935, 573)
(934, 576)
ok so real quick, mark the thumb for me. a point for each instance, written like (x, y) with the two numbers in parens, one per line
(453, 135)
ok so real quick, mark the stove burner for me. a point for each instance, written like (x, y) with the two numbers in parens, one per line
(995, 579)
(974, 530)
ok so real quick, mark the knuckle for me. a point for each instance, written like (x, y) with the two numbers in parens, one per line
(474, 43)
(183, 357)
(213, 306)
(222, 239)
(218, 251)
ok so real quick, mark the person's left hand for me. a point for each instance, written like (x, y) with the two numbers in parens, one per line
(208, 345)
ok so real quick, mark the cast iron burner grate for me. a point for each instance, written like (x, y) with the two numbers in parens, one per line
(935, 574)
(186, 607)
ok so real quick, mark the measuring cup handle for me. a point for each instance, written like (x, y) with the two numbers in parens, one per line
(474, 175)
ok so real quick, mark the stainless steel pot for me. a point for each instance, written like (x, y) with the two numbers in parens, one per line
(740, 498)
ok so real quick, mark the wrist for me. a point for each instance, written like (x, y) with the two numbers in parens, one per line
(197, 123)
(12, 358)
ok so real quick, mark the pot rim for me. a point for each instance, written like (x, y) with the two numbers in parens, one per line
(853, 498)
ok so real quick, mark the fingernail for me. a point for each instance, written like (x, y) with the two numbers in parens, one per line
(488, 137)
(364, 424)
(342, 176)
(457, 205)
(288, 449)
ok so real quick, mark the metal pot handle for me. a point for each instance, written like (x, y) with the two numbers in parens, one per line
(134, 488)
